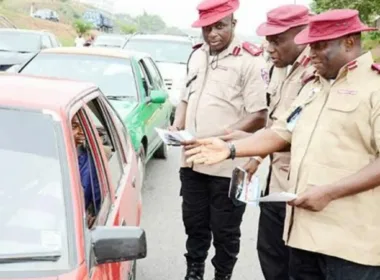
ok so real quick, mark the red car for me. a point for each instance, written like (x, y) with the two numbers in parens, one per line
(47, 229)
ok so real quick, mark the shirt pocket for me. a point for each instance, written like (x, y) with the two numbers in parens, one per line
(343, 114)
(224, 82)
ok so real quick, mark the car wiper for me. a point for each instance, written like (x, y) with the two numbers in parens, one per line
(119, 97)
(31, 257)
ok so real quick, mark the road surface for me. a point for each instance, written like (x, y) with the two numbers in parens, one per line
(165, 232)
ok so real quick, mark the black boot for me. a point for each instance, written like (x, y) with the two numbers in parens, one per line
(195, 271)
(219, 276)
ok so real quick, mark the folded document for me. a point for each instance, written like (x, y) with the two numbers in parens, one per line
(174, 138)
(278, 197)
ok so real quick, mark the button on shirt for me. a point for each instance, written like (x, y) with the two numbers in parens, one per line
(336, 135)
(225, 91)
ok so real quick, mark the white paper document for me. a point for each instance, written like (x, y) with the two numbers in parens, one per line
(243, 191)
(278, 197)
(174, 138)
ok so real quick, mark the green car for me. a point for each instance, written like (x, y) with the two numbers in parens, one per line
(130, 80)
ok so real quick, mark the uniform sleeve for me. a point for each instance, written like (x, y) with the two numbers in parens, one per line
(375, 118)
(279, 127)
(255, 86)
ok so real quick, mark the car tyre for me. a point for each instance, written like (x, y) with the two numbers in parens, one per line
(162, 152)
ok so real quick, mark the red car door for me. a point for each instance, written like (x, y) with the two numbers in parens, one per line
(121, 171)
(93, 143)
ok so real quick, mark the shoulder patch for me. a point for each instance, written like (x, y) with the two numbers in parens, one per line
(252, 49)
(308, 78)
(376, 67)
(197, 46)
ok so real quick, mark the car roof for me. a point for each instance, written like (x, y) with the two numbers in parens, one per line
(22, 31)
(40, 92)
(97, 51)
(161, 37)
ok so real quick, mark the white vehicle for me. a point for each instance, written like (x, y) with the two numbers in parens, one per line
(170, 54)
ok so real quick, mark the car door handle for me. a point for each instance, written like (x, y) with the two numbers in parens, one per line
(134, 182)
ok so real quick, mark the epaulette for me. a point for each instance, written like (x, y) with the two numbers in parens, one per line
(252, 49)
(308, 78)
(197, 46)
(305, 60)
(376, 67)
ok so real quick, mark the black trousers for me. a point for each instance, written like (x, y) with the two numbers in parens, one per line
(207, 211)
(272, 251)
(306, 265)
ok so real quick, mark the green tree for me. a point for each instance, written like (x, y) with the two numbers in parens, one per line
(82, 27)
(150, 23)
(128, 28)
(367, 8)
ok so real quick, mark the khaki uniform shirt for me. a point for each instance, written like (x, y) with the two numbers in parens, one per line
(283, 89)
(336, 135)
(224, 92)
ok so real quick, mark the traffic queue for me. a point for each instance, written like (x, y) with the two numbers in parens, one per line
(89, 120)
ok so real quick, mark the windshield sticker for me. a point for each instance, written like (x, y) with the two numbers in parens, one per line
(53, 114)
(51, 239)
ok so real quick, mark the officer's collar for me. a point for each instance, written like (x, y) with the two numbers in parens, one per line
(303, 60)
(235, 48)
(353, 68)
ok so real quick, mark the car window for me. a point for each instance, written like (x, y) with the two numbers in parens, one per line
(114, 76)
(46, 43)
(20, 41)
(95, 189)
(111, 141)
(147, 79)
(34, 186)
(154, 72)
(169, 51)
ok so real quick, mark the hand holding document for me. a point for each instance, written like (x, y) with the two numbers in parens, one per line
(242, 191)
(174, 138)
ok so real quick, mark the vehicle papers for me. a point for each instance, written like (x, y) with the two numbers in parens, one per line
(278, 197)
(174, 138)
(243, 191)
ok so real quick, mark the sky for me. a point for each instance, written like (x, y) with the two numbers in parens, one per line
(182, 13)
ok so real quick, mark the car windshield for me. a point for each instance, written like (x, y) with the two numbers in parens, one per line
(19, 41)
(114, 76)
(162, 50)
(33, 228)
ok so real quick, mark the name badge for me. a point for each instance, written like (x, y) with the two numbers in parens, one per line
(291, 121)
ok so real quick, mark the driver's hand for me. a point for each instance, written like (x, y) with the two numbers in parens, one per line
(207, 151)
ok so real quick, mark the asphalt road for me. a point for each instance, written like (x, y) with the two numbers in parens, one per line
(165, 232)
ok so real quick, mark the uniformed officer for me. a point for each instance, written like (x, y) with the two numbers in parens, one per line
(292, 68)
(225, 90)
(332, 227)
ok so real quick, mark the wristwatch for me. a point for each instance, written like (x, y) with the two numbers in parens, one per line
(258, 159)
(232, 148)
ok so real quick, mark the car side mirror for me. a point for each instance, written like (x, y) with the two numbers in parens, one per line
(158, 96)
(118, 244)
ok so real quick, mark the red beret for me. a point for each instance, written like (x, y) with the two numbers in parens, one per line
(283, 18)
(211, 11)
(331, 25)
